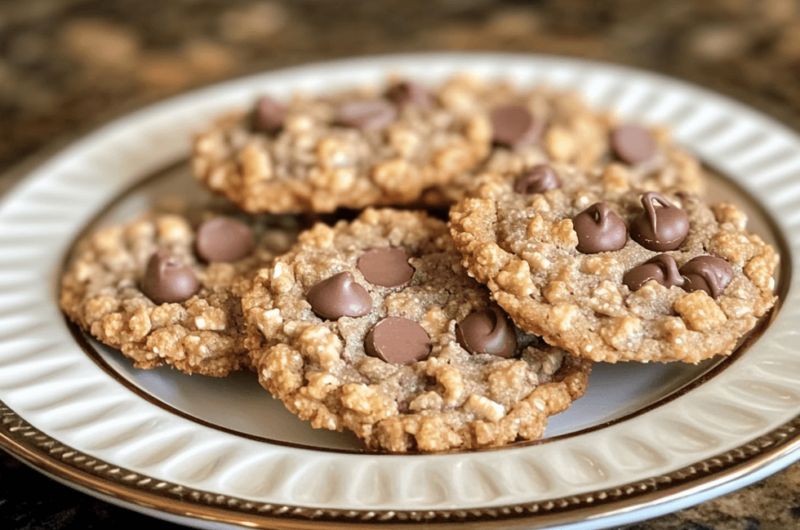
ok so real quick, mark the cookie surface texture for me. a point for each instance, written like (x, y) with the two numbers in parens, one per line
(195, 323)
(674, 291)
(426, 363)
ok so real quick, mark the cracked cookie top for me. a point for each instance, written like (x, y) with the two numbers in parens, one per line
(374, 326)
(613, 275)
(165, 289)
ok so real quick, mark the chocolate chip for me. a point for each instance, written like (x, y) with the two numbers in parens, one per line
(339, 296)
(538, 179)
(599, 229)
(661, 268)
(167, 281)
(398, 340)
(387, 267)
(487, 331)
(633, 144)
(408, 93)
(659, 228)
(366, 115)
(269, 115)
(223, 239)
(514, 126)
(707, 273)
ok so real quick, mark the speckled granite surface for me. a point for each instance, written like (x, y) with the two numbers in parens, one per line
(68, 65)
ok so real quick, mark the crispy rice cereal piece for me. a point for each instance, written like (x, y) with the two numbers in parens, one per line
(447, 399)
(524, 248)
(101, 292)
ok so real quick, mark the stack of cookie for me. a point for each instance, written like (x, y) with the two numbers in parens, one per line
(572, 239)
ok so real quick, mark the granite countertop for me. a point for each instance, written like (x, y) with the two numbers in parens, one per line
(68, 65)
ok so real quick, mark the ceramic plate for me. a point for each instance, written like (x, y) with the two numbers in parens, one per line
(646, 439)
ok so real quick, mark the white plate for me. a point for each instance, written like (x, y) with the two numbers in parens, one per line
(646, 440)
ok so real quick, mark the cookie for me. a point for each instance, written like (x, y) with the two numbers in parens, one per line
(614, 276)
(373, 326)
(549, 126)
(165, 290)
(352, 149)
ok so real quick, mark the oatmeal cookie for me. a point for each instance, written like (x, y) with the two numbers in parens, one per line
(166, 290)
(374, 326)
(352, 149)
(548, 126)
(616, 275)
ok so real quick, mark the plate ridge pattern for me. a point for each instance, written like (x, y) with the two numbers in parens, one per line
(16, 428)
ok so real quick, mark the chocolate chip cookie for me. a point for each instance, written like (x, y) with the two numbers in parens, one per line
(166, 290)
(547, 126)
(616, 275)
(374, 326)
(352, 149)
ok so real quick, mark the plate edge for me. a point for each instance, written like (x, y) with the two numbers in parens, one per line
(47, 454)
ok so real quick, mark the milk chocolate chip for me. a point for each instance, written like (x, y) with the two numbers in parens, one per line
(514, 126)
(661, 268)
(366, 115)
(487, 331)
(398, 340)
(707, 273)
(411, 94)
(599, 229)
(662, 227)
(633, 144)
(538, 179)
(339, 296)
(269, 115)
(167, 281)
(387, 267)
(223, 239)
